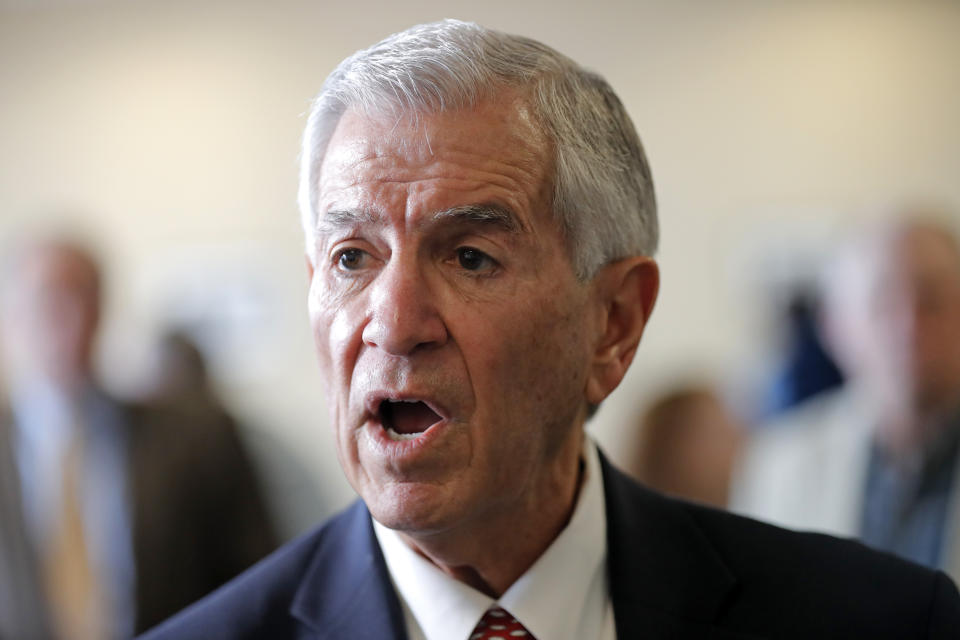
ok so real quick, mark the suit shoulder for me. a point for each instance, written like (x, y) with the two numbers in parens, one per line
(744, 542)
(257, 603)
(753, 579)
(814, 576)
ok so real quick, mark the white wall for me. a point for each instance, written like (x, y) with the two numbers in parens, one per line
(169, 130)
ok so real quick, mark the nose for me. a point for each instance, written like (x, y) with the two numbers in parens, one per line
(403, 313)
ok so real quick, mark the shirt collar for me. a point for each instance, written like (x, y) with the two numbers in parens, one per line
(544, 599)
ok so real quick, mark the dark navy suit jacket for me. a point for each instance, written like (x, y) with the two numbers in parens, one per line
(676, 570)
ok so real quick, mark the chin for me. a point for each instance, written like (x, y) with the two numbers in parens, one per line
(412, 508)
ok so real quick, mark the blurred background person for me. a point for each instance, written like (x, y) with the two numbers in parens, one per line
(112, 515)
(688, 441)
(180, 375)
(878, 457)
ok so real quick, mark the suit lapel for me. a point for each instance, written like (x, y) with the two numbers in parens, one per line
(666, 579)
(347, 591)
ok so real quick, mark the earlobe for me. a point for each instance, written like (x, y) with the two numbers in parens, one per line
(627, 291)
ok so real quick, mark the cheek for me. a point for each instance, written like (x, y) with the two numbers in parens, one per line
(336, 333)
(534, 360)
(342, 335)
(332, 333)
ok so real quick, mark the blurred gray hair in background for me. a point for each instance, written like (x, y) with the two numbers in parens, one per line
(602, 193)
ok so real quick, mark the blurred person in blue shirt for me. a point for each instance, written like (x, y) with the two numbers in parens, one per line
(878, 459)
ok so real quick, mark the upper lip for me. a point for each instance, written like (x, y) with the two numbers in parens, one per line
(375, 399)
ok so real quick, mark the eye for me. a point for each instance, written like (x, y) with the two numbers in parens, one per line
(351, 259)
(474, 260)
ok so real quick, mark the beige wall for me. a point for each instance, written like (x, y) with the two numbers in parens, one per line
(169, 131)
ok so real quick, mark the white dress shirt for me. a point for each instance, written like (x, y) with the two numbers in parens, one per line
(563, 596)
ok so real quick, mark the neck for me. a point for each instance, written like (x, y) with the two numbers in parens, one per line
(491, 551)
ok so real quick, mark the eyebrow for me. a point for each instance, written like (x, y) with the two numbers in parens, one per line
(346, 218)
(483, 214)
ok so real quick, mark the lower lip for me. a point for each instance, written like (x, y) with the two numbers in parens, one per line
(406, 449)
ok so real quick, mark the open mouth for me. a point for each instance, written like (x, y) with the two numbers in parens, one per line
(406, 419)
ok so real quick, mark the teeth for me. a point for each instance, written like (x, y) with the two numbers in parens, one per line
(400, 436)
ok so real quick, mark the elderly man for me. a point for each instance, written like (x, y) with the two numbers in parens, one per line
(479, 217)
(878, 459)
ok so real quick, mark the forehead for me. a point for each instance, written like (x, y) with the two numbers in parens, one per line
(923, 254)
(57, 266)
(493, 153)
(932, 245)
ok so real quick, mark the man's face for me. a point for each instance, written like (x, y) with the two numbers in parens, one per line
(57, 312)
(918, 315)
(453, 336)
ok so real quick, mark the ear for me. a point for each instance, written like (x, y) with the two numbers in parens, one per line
(626, 291)
(309, 262)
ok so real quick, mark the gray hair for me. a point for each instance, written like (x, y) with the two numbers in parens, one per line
(603, 192)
